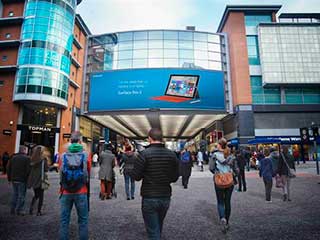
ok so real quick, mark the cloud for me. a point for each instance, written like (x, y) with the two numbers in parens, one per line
(103, 16)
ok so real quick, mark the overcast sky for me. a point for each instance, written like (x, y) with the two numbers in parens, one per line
(106, 16)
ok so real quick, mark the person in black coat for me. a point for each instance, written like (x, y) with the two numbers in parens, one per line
(5, 160)
(241, 162)
(185, 167)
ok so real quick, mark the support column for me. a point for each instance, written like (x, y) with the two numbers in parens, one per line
(56, 143)
(18, 134)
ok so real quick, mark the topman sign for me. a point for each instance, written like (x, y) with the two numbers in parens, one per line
(39, 128)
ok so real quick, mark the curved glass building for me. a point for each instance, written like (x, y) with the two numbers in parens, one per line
(157, 49)
(45, 53)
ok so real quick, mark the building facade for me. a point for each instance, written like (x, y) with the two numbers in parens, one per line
(42, 52)
(274, 72)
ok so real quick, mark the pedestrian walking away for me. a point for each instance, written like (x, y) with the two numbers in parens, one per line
(247, 156)
(107, 163)
(74, 178)
(241, 163)
(286, 165)
(266, 172)
(200, 160)
(128, 159)
(157, 167)
(185, 167)
(223, 166)
(95, 160)
(5, 160)
(17, 173)
(38, 178)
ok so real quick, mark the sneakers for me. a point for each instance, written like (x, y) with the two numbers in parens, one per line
(132, 198)
(223, 223)
(268, 201)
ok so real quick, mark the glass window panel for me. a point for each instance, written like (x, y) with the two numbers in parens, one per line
(22, 80)
(170, 44)
(214, 56)
(171, 63)
(155, 44)
(125, 46)
(186, 53)
(201, 63)
(314, 99)
(155, 63)
(171, 53)
(201, 55)
(185, 44)
(201, 46)
(272, 99)
(140, 63)
(294, 99)
(186, 36)
(256, 90)
(252, 51)
(21, 88)
(173, 35)
(124, 64)
(140, 54)
(128, 36)
(125, 55)
(214, 47)
(156, 35)
(186, 63)
(140, 44)
(202, 37)
(33, 89)
(140, 35)
(155, 53)
(214, 38)
(251, 40)
(215, 65)
(257, 99)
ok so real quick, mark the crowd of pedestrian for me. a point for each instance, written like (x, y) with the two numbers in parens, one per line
(157, 167)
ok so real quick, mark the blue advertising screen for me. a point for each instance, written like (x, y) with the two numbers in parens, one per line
(137, 89)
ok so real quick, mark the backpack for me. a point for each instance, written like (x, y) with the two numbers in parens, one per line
(74, 173)
(185, 158)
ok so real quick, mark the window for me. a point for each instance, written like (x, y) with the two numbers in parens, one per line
(8, 35)
(253, 51)
(1, 83)
(261, 95)
(254, 20)
(11, 14)
(4, 58)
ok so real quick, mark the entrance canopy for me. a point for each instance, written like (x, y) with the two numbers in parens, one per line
(174, 124)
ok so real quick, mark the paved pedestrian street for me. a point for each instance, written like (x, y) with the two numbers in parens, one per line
(192, 214)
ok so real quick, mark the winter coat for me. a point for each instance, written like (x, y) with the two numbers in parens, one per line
(158, 167)
(34, 179)
(265, 169)
(275, 161)
(106, 165)
(128, 160)
(184, 166)
(18, 168)
(282, 167)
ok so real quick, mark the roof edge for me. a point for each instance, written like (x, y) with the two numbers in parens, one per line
(243, 8)
(82, 25)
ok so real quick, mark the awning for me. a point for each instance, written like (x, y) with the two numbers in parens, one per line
(264, 141)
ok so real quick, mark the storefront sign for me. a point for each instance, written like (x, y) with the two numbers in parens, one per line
(7, 132)
(66, 135)
(41, 129)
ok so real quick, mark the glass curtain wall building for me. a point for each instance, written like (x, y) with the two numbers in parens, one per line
(156, 49)
(45, 53)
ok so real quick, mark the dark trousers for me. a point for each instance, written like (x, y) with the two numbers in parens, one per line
(224, 201)
(18, 197)
(154, 211)
(185, 180)
(268, 187)
(242, 180)
(38, 195)
(4, 166)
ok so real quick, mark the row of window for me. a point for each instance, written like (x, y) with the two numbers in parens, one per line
(261, 95)
(42, 90)
(52, 15)
(156, 35)
(254, 20)
(32, 25)
(44, 45)
(61, 3)
(156, 63)
(253, 50)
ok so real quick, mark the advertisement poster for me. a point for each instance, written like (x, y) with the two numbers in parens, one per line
(137, 89)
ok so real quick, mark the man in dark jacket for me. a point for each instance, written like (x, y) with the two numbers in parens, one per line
(241, 162)
(18, 170)
(157, 166)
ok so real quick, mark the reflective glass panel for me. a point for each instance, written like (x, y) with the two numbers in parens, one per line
(125, 55)
(172, 35)
(128, 36)
(140, 63)
(155, 63)
(185, 44)
(171, 62)
(203, 37)
(155, 53)
(214, 38)
(170, 44)
(155, 44)
(201, 46)
(140, 44)
(186, 53)
(140, 35)
(186, 36)
(171, 53)
(140, 53)
(155, 35)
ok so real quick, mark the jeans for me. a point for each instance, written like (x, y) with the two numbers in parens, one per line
(38, 194)
(224, 202)
(127, 181)
(268, 187)
(18, 197)
(286, 185)
(242, 180)
(81, 203)
(154, 211)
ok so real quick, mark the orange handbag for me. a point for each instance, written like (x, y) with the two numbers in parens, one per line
(223, 180)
